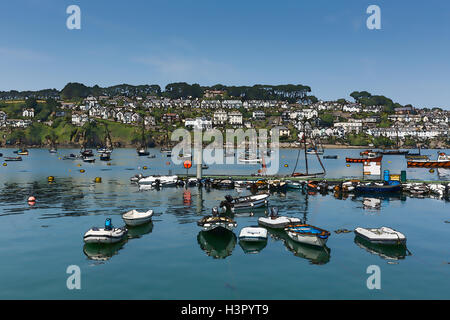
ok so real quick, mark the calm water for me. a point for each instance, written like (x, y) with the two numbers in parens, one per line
(172, 259)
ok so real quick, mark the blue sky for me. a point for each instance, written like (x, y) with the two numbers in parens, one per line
(323, 44)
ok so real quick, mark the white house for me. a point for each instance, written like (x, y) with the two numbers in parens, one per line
(259, 115)
(28, 113)
(199, 123)
(220, 117)
(79, 119)
(235, 118)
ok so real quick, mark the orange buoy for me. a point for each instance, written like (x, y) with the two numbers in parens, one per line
(31, 199)
(82, 171)
(187, 164)
(168, 163)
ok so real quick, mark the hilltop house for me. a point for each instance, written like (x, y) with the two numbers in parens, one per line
(283, 131)
(3, 118)
(235, 118)
(259, 115)
(79, 119)
(220, 117)
(199, 123)
(28, 113)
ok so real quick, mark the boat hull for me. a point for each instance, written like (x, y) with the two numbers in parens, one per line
(362, 160)
(428, 164)
(307, 239)
(104, 236)
(278, 222)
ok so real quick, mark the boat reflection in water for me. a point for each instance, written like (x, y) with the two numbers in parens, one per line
(315, 255)
(252, 247)
(387, 252)
(139, 231)
(101, 251)
(218, 243)
(371, 203)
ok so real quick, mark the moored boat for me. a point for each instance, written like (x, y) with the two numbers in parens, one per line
(214, 221)
(330, 157)
(443, 161)
(105, 156)
(108, 234)
(136, 218)
(244, 203)
(161, 181)
(375, 187)
(394, 152)
(370, 158)
(253, 234)
(307, 234)
(13, 158)
(383, 235)
(277, 222)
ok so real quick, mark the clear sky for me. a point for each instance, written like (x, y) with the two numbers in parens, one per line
(323, 44)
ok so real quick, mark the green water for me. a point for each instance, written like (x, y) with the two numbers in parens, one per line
(173, 259)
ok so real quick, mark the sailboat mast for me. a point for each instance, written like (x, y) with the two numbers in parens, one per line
(304, 143)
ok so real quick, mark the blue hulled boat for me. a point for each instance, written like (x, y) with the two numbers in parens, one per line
(378, 187)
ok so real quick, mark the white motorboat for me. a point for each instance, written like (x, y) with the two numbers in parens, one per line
(162, 181)
(307, 234)
(253, 234)
(89, 159)
(136, 218)
(244, 203)
(108, 234)
(383, 235)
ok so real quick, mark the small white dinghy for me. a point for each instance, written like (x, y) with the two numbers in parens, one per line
(254, 234)
(275, 221)
(108, 234)
(136, 218)
(383, 235)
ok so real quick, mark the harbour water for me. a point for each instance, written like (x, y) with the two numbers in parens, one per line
(172, 259)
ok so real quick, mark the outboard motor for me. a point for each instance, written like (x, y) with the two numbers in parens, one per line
(215, 211)
(274, 211)
(108, 224)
